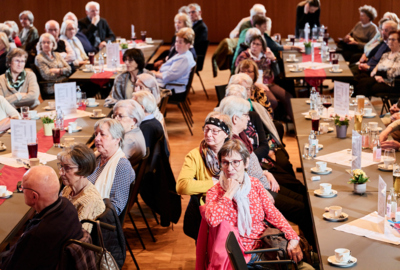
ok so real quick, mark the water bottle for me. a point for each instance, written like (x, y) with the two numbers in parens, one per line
(391, 204)
(312, 52)
(377, 151)
(101, 63)
(60, 118)
(322, 31)
(315, 32)
(307, 32)
(313, 105)
(312, 144)
(78, 95)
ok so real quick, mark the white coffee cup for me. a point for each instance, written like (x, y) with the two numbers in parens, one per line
(367, 111)
(74, 125)
(335, 211)
(321, 166)
(342, 255)
(335, 67)
(149, 39)
(3, 191)
(325, 188)
(91, 101)
(292, 57)
(296, 67)
(97, 113)
(324, 127)
(373, 125)
(34, 162)
(52, 105)
(32, 114)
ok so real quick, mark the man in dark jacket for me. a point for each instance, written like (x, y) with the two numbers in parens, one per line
(96, 29)
(55, 222)
(200, 29)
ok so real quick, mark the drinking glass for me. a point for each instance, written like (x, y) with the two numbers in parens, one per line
(56, 136)
(351, 92)
(326, 38)
(360, 102)
(396, 178)
(143, 34)
(91, 58)
(358, 117)
(83, 103)
(278, 38)
(389, 157)
(32, 147)
(327, 102)
(309, 152)
(335, 58)
(331, 52)
(25, 113)
(315, 122)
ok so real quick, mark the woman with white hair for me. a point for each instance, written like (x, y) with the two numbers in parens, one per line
(87, 46)
(257, 9)
(28, 33)
(68, 31)
(130, 114)
(113, 174)
(14, 32)
(51, 64)
(147, 82)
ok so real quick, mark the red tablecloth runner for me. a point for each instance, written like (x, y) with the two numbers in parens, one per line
(9, 177)
(314, 77)
(121, 61)
(46, 142)
(101, 78)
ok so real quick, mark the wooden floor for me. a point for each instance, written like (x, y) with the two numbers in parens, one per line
(173, 249)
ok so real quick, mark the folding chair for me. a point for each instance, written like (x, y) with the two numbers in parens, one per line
(220, 89)
(200, 62)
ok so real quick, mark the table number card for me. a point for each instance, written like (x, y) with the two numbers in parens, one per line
(356, 150)
(21, 130)
(341, 100)
(113, 55)
(381, 197)
(65, 94)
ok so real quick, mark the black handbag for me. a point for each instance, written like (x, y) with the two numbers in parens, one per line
(192, 218)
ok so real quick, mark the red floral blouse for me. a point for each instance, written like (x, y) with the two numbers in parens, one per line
(220, 208)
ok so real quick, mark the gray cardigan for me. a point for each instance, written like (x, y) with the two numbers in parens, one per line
(30, 87)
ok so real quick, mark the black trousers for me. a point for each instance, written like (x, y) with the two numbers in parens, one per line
(348, 50)
(370, 87)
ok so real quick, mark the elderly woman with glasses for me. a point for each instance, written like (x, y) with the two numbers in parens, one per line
(28, 33)
(113, 173)
(147, 82)
(239, 203)
(76, 163)
(124, 83)
(19, 85)
(130, 114)
(68, 31)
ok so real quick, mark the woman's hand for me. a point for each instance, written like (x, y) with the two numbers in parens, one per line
(363, 58)
(272, 181)
(390, 145)
(294, 251)
(232, 188)
(384, 135)
(379, 79)
(395, 116)
(269, 54)
(363, 66)
(306, 8)
(271, 154)
(158, 64)
(55, 70)
(353, 42)
(373, 72)
(394, 109)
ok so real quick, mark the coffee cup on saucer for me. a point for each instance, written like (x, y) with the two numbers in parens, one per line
(97, 113)
(292, 57)
(321, 166)
(296, 67)
(32, 114)
(3, 191)
(91, 101)
(342, 255)
(149, 40)
(325, 188)
(367, 111)
(52, 105)
(335, 211)
(373, 125)
(335, 67)
(323, 127)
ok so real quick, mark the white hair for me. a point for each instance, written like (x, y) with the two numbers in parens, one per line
(234, 105)
(392, 24)
(6, 30)
(68, 17)
(51, 21)
(13, 25)
(151, 83)
(64, 26)
(49, 36)
(236, 90)
(135, 111)
(196, 6)
(251, 33)
(184, 9)
(114, 127)
(92, 3)
(257, 8)
(240, 78)
(27, 13)
(147, 100)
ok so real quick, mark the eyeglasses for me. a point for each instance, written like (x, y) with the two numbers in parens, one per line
(213, 131)
(392, 39)
(118, 116)
(21, 188)
(65, 168)
(247, 71)
(141, 87)
(19, 61)
(256, 44)
(235, 163)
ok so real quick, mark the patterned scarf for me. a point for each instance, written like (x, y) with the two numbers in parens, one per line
(243, 137)
(18, 83)
(210, 159)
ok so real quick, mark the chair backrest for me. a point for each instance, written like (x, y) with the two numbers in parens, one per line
(189, 84)
(202, 55)
(163, 104)
(234, 252)
(221, 90)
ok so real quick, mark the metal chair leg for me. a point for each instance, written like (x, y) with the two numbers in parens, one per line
(190, 110)
(137, 231)
(185, 107)
(193, 90)
(155, 216)
(130, 251)
(183, 114)
(188, 100)
(202, 84)
(145, 221)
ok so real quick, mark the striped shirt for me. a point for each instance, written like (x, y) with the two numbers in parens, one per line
(124, 176)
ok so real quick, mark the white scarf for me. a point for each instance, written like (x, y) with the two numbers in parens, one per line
(243, 203)
(105, 180)
(77, 47)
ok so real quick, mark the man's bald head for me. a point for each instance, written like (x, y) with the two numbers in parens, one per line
(44, 181)
(53, 27)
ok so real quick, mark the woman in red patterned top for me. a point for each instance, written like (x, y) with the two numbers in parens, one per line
(243, 202)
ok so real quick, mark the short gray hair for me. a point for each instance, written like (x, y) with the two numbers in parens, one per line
(240, 78)
(13, 25)
(184, 9)
(235, 90)
(195, 5)
(370, 11)
(116, 129)
(147, 100)
(5, 29)
(250, 33)
(392, 24)
(234, 106)
(257, 8)
(183, 17)
(51, 21)
(27, 13)
(135, 111)
(391, 16)
(92, 3)
(68, 17)
(49, 36)
(64, 26)
(151, 83)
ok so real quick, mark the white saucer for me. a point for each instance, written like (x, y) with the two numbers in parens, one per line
(318, 193)
(372, 115)
(97, 117)
(292, 60)
(381, 167)
(332, 260)
(327, 171)
(47, 108)
(342, 217)
(78, 128)
(330, 129)
(8, 195)
(149, 42)
(336, 71)
(320, 146)
(4, 148)
(308, 101)
(87, 70)
(35, 118)
(93, 105)
(296, 71)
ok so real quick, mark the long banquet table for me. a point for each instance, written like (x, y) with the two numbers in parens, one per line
(371, 254)
(14, 212)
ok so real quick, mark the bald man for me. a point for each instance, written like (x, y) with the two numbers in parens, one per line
(56, 221)
(52, 27)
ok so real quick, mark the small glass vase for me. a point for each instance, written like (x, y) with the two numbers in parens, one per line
(341, 131)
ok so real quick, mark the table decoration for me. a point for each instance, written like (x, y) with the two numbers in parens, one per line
(307, 47)
(48, 125)
(359, 179)
(341, 123)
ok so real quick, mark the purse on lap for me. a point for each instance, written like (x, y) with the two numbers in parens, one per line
(104, 260)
